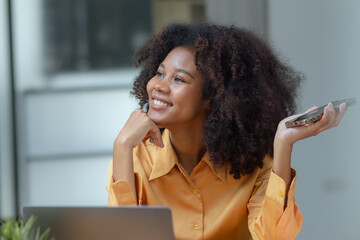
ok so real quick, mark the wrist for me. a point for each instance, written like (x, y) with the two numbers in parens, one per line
(282, 155)
(282, 144)
(122, 143)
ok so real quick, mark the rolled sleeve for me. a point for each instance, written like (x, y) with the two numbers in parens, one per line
(119, 192)
(267, 217)
(276, 188)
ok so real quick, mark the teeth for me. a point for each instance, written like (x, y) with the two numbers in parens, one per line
(157, 102)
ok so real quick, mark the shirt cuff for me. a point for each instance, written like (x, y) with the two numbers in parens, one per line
(276, 188)
(120, 193)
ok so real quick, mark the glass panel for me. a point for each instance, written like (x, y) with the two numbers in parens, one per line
(85, 35)
(93, 35)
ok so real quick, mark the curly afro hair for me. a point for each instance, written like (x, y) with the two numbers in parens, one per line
(249, 89)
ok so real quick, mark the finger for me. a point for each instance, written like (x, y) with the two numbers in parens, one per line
(340, 114)
(156, 135)
(146, 137)
(329, 113)
(337, 117)
(329, 118)
(319, 126)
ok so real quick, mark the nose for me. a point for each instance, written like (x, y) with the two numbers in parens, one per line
(162, 86)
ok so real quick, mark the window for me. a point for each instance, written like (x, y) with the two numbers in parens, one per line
(93, 35)
(82, 35)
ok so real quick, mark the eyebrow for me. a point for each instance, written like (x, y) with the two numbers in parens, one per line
(179, 70)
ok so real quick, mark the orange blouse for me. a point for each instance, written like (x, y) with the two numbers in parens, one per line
(209, 203)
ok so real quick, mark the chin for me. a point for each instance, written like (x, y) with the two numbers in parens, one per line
(157, 120)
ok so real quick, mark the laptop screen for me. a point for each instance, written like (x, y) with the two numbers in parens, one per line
(123, 222)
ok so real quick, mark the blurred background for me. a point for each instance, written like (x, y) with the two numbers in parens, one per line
(66, 73)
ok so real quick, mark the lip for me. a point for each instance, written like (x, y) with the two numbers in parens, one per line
(159, 107)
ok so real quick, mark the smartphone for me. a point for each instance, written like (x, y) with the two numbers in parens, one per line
(316, 115)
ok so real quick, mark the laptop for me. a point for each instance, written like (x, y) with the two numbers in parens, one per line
(103, 223)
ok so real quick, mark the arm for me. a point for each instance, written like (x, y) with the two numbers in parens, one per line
(138, 127)
(286, 137)
(273, 213)
(123, 167)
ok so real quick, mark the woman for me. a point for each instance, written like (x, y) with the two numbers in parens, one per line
(211, 143)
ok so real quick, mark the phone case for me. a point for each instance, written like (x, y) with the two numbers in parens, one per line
(317, 114)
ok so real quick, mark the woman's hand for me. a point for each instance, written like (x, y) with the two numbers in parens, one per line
(286, 137)
(331, 118)
(138, 127)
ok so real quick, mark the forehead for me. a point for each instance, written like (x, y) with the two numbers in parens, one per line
(181, 57)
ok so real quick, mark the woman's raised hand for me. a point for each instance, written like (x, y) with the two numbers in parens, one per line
(138, 127)
(331, 118)
(286, 137)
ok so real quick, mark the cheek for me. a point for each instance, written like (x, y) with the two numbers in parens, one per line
(178, 93)
(187, 96)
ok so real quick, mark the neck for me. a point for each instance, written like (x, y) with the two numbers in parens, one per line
(189, 147)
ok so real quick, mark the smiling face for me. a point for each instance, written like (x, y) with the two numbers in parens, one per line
(175, 92)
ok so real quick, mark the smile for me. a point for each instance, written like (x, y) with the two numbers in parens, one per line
(160, 103)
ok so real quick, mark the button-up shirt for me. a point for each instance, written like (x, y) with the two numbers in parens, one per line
(209, 203)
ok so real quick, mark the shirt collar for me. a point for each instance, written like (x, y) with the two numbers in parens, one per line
(220, 171)
(166, 159)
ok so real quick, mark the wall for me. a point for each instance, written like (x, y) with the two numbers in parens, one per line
(321, 39)
(68, 143)
(245, 13)
(7, 188)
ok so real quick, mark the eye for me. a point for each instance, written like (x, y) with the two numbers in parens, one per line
(159, 74)
(179, 80)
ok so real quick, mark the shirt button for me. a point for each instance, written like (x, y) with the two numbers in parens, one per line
(196, 226)
(195, 191)
(281, 193)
